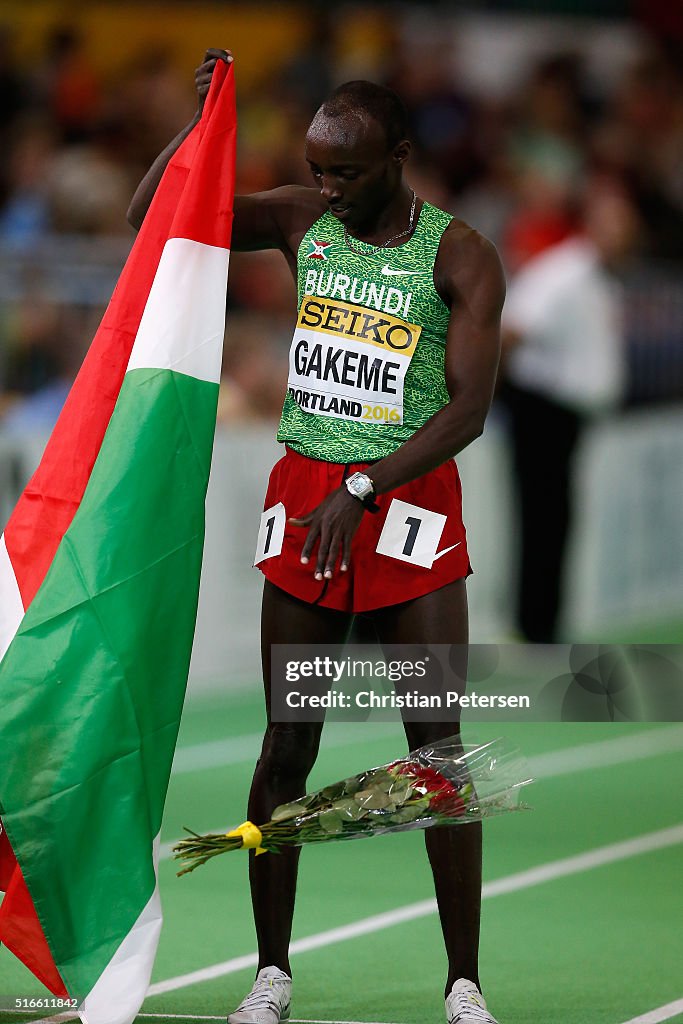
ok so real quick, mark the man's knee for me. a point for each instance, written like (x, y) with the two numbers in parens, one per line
(289, 751)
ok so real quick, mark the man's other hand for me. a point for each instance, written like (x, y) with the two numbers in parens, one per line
(334, 522)
(202, 76)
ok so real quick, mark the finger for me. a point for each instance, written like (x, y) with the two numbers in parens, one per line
(346, 553)
(301, 520)
(309, 543)
(216, 54)
(206, 69)
(204, 72)
(322, 554)
(331, 559)
(202, 81)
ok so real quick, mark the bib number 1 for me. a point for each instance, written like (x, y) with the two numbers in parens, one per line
(271, 533)
(413, 525)
(411, 533)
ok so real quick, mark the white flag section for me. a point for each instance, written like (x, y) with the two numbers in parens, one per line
(184, 320)
(121, 988)
(11, 607)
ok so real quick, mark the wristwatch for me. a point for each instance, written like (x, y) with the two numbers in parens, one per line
(361, 487)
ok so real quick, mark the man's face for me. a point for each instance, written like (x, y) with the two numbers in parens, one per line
(354, 168)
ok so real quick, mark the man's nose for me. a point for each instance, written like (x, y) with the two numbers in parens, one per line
(329, 189)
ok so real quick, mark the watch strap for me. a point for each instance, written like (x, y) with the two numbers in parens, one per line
(368, 501)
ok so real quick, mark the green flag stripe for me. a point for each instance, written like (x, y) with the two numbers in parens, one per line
(95, 635)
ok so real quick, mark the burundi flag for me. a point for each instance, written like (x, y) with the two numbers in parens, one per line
(318, 250)
(99, 579)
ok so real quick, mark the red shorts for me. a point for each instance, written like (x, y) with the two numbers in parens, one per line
(415, 544)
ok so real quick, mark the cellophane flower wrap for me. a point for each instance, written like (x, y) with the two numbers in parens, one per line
(442, 783)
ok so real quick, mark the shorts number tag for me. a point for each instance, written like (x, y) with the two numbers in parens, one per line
(411, 533)
(271, 533)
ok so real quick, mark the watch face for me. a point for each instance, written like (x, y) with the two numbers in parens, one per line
(359, 484)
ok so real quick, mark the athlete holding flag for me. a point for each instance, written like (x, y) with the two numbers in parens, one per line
(392, 369)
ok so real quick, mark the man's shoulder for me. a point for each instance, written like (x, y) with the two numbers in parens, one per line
(276, 218)
(290, 199)
(466, 256)
(295, 208)
(462, 237)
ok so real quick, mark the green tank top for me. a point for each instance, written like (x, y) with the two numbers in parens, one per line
(366, 363)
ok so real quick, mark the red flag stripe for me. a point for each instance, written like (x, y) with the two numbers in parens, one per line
(48, 504)
(8, 862)
(21, 932)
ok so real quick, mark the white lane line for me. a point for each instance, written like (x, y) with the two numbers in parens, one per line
(586, 756)
(606, 753)
(511, 883)
(187, 1016)
(238, 749)
(581, 862)
(292, 1020)
(661, 1013)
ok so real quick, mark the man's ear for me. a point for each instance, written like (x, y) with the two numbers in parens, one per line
(401, 151)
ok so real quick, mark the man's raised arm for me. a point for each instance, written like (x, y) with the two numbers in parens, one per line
(144, 193)
(258, 217)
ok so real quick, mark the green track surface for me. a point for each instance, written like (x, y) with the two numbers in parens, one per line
(601, 946)
(655, 632)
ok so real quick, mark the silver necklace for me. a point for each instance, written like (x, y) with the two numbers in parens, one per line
(394, 238)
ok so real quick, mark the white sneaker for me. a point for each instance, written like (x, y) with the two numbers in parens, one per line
(269, 1000)
(466, 1005)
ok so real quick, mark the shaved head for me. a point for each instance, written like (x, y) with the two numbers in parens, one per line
(356, 147)
(346, 114)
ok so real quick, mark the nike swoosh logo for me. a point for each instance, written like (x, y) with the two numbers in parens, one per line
(446, 550)
(390, 272)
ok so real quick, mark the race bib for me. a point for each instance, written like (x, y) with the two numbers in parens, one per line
(349, 361)
(412, 534)
(271, 533)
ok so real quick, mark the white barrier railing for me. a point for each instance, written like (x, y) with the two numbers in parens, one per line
(626, 559)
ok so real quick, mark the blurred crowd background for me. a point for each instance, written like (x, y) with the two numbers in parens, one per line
(524, 118)
(516, 119)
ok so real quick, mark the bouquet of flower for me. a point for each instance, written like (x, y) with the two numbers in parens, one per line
(444, 783)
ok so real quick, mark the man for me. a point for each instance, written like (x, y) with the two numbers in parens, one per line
(564, 367)
(392, 371)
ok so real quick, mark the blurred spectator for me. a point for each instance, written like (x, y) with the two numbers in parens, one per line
(12, 91)
(49, 342)
(261, 282)
(25, 216)
(254, 377)
(546, 153)
(88, 190)
(546, 187)
(564, 363)
(489, 200)
(66, 83)
(79, 129)
(308, 76)
(664, 21)
(641, 138)
(149, 103)
(442, 113)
